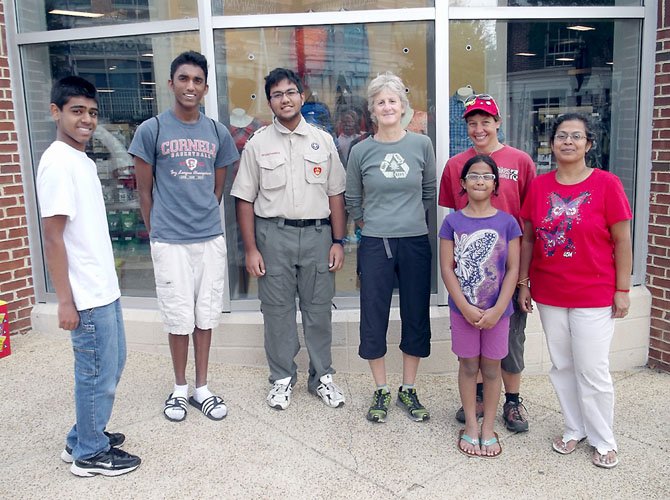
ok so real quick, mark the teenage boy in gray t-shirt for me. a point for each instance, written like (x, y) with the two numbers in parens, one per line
(180, 161)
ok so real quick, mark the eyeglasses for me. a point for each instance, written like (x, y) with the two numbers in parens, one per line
(470, 100)
(480, 177)
(290, 93)
(575, 136)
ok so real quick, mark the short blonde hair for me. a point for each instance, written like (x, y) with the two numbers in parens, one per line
(387, 81)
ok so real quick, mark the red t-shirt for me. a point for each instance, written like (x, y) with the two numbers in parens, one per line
(516, 171)
(573, 254)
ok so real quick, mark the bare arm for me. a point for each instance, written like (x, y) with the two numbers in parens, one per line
(145, 184)
(56, 255)
(338, 227)
(527, 243)
(623, 263)
(471, 313)
(245, 219)
(219, 182)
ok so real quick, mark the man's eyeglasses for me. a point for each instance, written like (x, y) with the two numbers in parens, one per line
(290, 93)
(470, 100)
(575, 136)
(480, 177)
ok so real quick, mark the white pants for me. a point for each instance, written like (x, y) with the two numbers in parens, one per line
(579, 341)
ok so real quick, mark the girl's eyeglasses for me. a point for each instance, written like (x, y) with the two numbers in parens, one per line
(480, 177)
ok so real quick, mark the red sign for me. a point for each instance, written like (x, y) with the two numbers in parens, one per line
(5, 348)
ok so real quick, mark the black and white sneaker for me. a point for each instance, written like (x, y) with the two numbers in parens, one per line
(115, 439)
(329, 392)
(109, 463)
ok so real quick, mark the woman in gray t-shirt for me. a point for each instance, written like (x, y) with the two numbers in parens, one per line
(390, 185)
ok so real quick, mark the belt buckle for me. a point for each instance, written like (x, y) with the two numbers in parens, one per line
(301, 223)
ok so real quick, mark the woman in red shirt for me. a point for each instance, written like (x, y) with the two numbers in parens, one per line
(576, 261)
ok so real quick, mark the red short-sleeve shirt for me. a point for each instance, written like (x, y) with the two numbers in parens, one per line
(573, 253)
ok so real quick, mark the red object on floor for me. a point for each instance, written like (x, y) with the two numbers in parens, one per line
(5, 347)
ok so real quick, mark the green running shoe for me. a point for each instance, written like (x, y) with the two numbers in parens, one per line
(409, 401)
(381, 399)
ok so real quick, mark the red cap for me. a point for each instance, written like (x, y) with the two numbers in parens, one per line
(481, 102)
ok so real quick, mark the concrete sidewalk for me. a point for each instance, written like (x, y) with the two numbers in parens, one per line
(311, 451)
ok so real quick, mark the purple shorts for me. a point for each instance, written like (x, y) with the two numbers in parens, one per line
(468, 341)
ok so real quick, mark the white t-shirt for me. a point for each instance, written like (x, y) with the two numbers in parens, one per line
(68, 184)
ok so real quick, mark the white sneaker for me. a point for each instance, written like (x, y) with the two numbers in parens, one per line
(280, 395)
(329, 392)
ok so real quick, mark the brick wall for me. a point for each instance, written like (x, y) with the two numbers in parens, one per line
(658, 261)
(16, 282)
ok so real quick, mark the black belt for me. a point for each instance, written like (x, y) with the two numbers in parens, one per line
(304, 222)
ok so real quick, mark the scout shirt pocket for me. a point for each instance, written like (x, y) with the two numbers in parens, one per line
(273, 172)
(316, 168)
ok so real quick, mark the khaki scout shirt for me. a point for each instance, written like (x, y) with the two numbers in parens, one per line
(290, 174)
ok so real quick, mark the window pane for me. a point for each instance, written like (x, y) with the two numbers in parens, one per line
(336, 63)
(131, 75)
(34, 15)
(239, 7)
(539, 70)
(543, 3)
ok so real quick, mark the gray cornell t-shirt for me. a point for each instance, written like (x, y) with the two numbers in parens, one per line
(185, 208)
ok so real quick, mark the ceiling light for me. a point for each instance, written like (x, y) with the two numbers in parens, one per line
(565, 59)
(525, 54)
(579, 27)
(106, 91)
(611, 63)
(147, 98)
(147, 83)
(74, 13)
(112, 68)
(147, 54)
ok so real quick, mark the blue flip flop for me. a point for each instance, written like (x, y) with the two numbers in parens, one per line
(473, 441)
(489, 442)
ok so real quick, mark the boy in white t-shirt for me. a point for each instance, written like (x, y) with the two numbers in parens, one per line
(79, 256)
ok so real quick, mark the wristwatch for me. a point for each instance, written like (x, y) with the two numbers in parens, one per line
(340, 242)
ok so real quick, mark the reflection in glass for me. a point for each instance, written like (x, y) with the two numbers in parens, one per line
(336, 63)
(66, 14)
(240, 7)
(543, 3)
(539, 70)
(131, 75)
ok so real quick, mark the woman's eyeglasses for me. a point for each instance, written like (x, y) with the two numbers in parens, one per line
(575, 136)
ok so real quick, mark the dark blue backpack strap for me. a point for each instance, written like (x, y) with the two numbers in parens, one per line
(158, 131)
(216, 129)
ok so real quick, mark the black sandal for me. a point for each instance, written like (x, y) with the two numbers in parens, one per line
(172, 403)
(208, 405)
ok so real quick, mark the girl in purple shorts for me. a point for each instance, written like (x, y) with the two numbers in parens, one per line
(479, 258)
